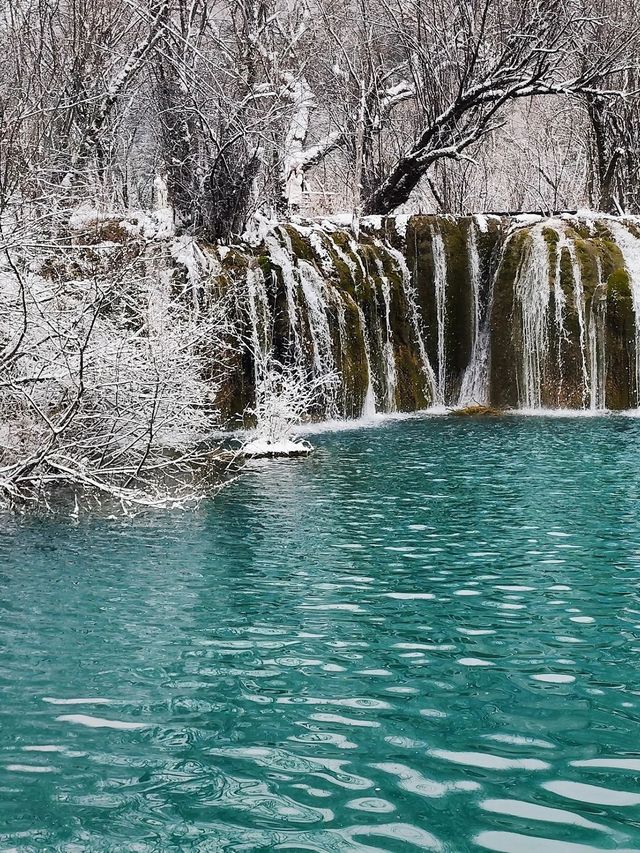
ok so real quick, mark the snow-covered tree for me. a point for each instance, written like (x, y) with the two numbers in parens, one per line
(109, 369)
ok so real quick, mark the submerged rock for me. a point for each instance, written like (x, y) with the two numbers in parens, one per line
(264, 448)
(474, 411)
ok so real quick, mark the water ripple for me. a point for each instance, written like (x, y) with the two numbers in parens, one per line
(424, 637)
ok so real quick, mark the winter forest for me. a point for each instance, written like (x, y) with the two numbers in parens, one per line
(166, 168)
(259, 106)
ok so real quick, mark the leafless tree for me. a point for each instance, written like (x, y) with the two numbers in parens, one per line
(614, 111)
(469, 61)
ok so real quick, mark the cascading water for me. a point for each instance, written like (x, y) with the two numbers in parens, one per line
(474, 388)
(597, 346)
(411, 297)
(532, 290)
(578, 298)
(391, 378)
(313, 290)
(369, 405)
(545, 306)
(440, 287)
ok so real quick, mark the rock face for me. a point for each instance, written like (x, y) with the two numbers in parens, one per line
(419, 311)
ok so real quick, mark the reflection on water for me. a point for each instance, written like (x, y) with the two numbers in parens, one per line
(425, 637)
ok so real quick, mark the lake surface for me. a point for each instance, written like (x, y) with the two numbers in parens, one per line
(424, 637)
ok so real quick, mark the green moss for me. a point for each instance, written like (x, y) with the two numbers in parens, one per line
(566, 275)
(588, 259)
(620, 341)
(343, 239)
(582, 229)
(610, 254)
(552, 239)
(619, 286)
(264, 262)
(300, 246)
(353, 359)
(410, 395)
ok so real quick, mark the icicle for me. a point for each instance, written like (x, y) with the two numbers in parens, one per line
(474, 382)
(440, 285)
(532, 291)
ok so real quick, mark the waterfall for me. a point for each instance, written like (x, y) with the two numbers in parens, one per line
(578, 298)
(474, 382)
(416, 323)
(440, 287)
(259, 320)
(369, 405)
(388, 352)
(532, 290)
(630, 248)
(535, 313)
(597, 340)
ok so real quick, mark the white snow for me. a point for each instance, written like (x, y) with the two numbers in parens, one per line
(525, 219)
(155, 225)
(481, 221)
(265, 447)
(401, 222)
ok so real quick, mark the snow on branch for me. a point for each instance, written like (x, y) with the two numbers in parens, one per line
(106, 380)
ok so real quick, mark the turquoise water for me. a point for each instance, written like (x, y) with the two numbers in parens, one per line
(425, 637)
